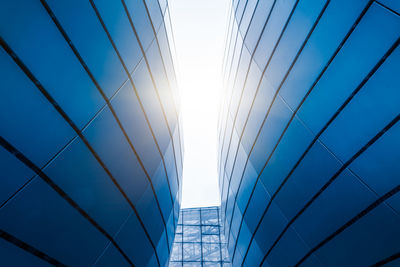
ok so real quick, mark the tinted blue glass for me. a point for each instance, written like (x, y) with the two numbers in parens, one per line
(257, 114)
(257, 23)
(247, 15)
(78, 173)
(150, 214)
(360, 121)
(162, 250)
(272, 31)
(113, 148)
(329, 212)
(79, 20)
(116, 20)
(289, 242)
(155, 13)
(345, 72)
(380, 160)
(13, 255)
(320, 51)
(140, 251)
(41, 47)
(274, 125)
(34, 127)
(290, 148)
(14, 175)
(111, 256)
(271, 225)
(319, 48)
(131, 116)
(151, 104)
(248, 95)
(57, 225)
(67, 49)
(162, 84)
(248, 182)
(317, 167)
(294, 36)
(378, 244)
(255, 210)
(141, 22)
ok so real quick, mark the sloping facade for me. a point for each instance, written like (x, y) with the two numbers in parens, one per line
(91, 148)
(309, 133)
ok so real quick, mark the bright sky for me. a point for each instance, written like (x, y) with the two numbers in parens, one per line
(199, 28)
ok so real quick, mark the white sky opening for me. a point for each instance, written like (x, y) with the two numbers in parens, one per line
(199, 29)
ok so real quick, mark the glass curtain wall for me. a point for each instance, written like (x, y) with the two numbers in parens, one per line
(90, 135)
(308, 133)
(199, 239)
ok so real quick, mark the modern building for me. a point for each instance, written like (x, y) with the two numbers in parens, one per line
(199, 239)
(309, 133)
(91, 152)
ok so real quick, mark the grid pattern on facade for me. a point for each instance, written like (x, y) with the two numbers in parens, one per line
(90, 139)
(199, 240)
(307, 125)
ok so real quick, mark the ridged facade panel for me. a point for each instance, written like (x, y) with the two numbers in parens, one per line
(308, 133)
(91, 148)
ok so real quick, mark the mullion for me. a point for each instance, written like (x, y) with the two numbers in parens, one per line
(162, 109)
(357, 154)
(303, 100)
(30, 249)
(169, 84)
(277, 93)
(237, 110)
(11, 149)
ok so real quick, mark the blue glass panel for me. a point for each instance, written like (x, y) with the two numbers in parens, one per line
(295, 34)
(79, 21)
(155, 13)
(345, 73)
(272, 129)
(59, 229)
(376, 105)
(272, 224)
(317, 167)
(111, 256)
(79, 174)
(34, 127)
(151, 216)
(151, 104)
(259, 18)
(38, 43)
(256, 207)
(141, 22)
(14, 175)
(11, 255)
(289, 242)
(127, 108)
(319, 48)
(139, 251)
(117, 23)
(111, 145)
(329, 212)
(291, 147)
(380, 160)
(376, 245)
(272, 31)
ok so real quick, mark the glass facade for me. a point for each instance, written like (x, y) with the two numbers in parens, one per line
(309, 133)
(199, 239)
(91, 151)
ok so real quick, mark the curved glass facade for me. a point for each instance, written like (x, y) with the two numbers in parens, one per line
(91, 152)
(309, 133)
